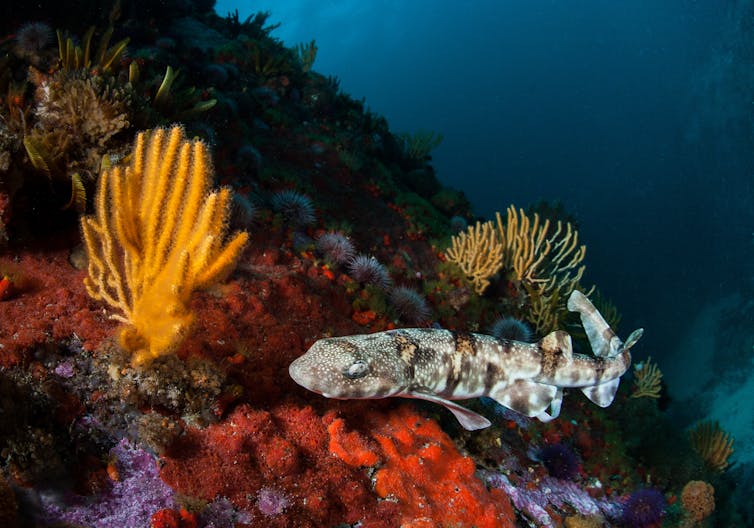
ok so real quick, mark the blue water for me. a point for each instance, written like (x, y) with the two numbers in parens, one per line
(634, 114)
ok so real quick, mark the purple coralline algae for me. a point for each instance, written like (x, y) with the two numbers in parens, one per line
(552, 492)
(129, 503)
(221, 513)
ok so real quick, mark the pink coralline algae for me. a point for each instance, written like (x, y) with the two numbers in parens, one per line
(129, 503)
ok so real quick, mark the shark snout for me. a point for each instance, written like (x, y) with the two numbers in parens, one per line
(300, 371)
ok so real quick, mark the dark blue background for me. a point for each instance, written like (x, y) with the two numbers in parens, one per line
(632, 113)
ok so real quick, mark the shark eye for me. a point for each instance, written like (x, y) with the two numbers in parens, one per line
(357, 369)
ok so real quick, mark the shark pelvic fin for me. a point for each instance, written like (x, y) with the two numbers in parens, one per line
(468, 419)
(603, 393)
(526, 397)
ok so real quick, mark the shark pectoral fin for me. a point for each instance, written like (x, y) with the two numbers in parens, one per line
(468, 419)
(603, 393)
(526, 397)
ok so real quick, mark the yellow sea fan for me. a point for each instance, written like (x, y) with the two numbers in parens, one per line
(712, 444)
(478, 253)
(647, 380)
(157, 235)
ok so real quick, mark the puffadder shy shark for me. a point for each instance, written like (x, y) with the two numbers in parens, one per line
(440, 366)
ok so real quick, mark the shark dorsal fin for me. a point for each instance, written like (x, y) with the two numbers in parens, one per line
(557, 342)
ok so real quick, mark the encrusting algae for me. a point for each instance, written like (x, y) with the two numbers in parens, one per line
(157, 235)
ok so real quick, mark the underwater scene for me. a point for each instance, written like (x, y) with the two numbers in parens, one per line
(424, 264)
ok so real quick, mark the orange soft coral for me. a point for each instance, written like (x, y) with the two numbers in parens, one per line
(421, 468)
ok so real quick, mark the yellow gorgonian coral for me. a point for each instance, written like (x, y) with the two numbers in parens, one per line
(713, 444)
(157, 235)
(545, 260)
(647, 380)
(478, 253)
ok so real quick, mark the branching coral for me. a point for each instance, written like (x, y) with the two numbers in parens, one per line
(76, 116)
(544, 260)
(307, 53)
(479, 254)
(417, 146)
(647, 380)
(712, 444)
(156, 236)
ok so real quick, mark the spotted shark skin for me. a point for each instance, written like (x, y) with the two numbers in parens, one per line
(442, 366)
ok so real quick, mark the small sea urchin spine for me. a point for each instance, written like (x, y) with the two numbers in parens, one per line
(410, 305)
(335, 247)
(368, 270)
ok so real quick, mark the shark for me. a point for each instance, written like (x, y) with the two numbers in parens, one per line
(443, 366)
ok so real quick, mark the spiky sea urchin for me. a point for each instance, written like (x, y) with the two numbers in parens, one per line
(335, 247)
(410, 305)
(560, 460)
(295, 208)
(511, 328)
(32, 38)
(645, 507)
(367, 270)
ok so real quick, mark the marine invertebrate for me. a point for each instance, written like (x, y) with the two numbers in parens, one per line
(272, 502)
(644, 507)
(368, 270)
(418, 145)
(511, 328)
(421, 469)
(91, 109)
(712, 444)
(647, 380)
(537, 499)
(135, 496)
(306, 54)
(410, 305)
(478, 253)
(560, 460)
(74, 57)
(544, 261)
(698, 500)
(157, 235)
(335, 247)
(182, 104)
(31, 38)
(296, 209)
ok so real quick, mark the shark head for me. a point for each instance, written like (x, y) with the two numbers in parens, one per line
(358, 367)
